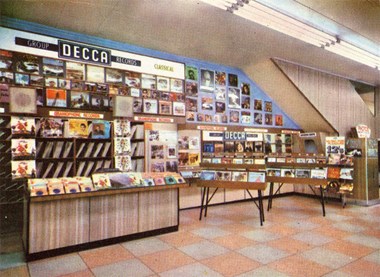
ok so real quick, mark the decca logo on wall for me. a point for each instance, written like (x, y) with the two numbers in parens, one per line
(81, 52)
(50, 47)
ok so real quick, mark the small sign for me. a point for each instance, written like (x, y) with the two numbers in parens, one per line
(211, 128)
(308, 135)
(256, 130)
(290, 132)
(235, 136)
(363, 131)
(153, 119)
(76, 114)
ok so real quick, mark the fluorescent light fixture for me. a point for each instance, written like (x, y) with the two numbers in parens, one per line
(269, 17)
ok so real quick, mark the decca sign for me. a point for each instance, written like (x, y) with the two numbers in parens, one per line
(235, 136)
(84, 53)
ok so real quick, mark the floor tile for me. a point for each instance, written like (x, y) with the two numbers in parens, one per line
(373, 232)
(203, 250)
(236, 228)
(12, 260)
(210, 232)
(263, 271)
(105, 255)
(302, 225)
(374, 257)
(327, 257)
(191, 270)
(57, 266)
(348, 248)
(337, 273)
(217, 221)
(263, 253)
(362, 268)
(283, 230)
(230, 264)
(166, 260)
(261, 235)
(329, 230)
(234, 242)
(364, 240)
(289, 245)
(337, 217)
(83, 273)
(312, 238)
(297, 266)
(345, 226)
(127, 268)
(180, 238)
(18, 271)
(255, 223)
(145, 246)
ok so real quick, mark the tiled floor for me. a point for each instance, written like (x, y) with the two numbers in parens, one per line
(296, 240)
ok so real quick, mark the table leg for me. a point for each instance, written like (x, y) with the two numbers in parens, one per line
(261, 207)
(323, 201)
(270, 196)
(208, 190)
(202, 202)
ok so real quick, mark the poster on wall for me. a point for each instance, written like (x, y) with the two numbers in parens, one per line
(23, 125)
(176, 85)
(95, 74)
(23, 100)
(233, 80)
(56, 98)
(220, 78)
(75, 71)
(123, 106)
(207, 80)
(245, 89)
(150, 106)
(163, 83)
(335, 148)
(191, 73)
(23, 169)
(234, 98)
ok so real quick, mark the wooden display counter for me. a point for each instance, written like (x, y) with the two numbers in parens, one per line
(206, 198)
(59, 224)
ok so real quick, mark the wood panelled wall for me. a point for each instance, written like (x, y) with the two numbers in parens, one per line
(334, 97)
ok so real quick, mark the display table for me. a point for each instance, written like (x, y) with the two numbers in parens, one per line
(206, 198)
(321, 183)
(58, 224)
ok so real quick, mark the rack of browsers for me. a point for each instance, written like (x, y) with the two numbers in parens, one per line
(101, 181)
(278, 167)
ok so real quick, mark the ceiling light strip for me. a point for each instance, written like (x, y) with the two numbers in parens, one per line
(289, 20)
(278, 27)
(349, 55)
(218, 3)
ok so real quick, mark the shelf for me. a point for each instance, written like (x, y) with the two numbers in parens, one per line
(137, 157)
(232, 166)
(294, 180)
(105, 192)
(230, 184)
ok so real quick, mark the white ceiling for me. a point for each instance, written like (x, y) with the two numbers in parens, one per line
(194, 29)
